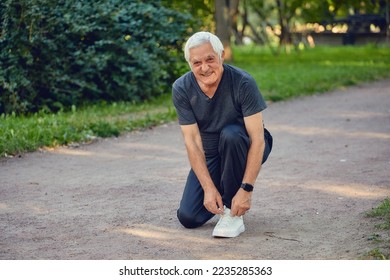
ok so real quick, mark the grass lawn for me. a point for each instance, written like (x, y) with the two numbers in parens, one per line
(314, 70)
(280, 77)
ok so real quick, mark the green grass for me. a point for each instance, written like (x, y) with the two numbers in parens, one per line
(280, 77)
(314, 70)
(20, 134)
(381, 214)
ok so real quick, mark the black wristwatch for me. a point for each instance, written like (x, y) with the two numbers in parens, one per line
(247, 187)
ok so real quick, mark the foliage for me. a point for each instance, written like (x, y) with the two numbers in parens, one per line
(202, 12)
(273, 21)
(54, 54)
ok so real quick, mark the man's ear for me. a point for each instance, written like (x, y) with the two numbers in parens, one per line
(223, 55)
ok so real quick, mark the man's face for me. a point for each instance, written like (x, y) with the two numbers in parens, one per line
(206, 65)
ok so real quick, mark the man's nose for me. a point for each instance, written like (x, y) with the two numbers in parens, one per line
(204, 67)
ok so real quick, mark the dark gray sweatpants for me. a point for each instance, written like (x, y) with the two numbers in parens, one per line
(226, 170)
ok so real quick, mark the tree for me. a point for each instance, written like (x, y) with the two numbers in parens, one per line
(272, 22)
(218, 16)
(55, 54)
(226, 19)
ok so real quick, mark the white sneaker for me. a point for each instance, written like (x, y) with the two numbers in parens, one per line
(229, 226)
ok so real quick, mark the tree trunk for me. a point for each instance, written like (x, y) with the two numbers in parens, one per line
(284, 21)
(234, 14)
(223, 25)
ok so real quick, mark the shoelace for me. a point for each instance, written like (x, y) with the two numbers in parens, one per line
(225, 220)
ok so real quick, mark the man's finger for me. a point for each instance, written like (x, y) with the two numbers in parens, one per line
(220, 204)
(234, 210)
(212, 208)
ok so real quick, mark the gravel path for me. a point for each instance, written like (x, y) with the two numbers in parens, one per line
(117, 198)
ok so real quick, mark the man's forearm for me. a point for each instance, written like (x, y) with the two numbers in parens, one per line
(198, 164)
(253, 164)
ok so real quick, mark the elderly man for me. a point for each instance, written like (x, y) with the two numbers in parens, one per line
(219, 110)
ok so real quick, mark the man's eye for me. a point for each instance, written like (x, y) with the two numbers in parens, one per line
(210, 59)
(196, 63)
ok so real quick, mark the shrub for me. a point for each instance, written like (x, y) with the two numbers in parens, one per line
(54, 54)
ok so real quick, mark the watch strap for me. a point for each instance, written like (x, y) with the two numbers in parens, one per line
(247, 187)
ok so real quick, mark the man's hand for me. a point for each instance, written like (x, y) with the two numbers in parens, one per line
(241, 203)
(213, 201)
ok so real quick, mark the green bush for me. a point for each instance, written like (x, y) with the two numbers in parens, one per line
(54, 54)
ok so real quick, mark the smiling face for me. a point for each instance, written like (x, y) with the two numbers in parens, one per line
(206, 65)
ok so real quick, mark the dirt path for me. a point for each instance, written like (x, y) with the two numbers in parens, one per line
(116, 199)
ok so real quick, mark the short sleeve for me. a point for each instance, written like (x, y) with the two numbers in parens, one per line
(251, 99)
(183, 106)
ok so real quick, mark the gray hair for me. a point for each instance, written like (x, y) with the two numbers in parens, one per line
(201, 38)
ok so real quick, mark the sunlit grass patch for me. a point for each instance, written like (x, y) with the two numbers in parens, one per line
(312, 71)
(20, 134)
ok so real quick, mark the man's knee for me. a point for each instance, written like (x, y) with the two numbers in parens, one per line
(232, 134)
(189, 220)
(268, 144)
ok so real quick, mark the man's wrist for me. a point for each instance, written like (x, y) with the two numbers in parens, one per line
(209, 187)
(247, 187)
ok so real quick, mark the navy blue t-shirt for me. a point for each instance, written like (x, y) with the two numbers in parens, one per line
(236, 97)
